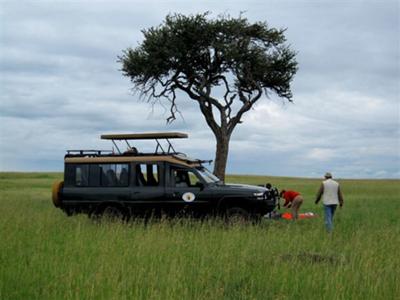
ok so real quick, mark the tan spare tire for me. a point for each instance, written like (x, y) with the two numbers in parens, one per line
(57, 186)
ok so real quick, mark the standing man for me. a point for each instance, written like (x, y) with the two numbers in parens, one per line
(331, 197)
(292, 199)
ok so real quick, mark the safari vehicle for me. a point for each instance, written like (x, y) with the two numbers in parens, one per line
(164, 182)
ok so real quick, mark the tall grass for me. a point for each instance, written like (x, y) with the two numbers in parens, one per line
(46, 255)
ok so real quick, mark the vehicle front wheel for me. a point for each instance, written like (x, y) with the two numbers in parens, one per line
(237, 215)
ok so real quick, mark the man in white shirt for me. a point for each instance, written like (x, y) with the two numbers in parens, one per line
(331, 196)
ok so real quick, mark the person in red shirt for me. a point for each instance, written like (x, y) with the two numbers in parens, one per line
(294, 200)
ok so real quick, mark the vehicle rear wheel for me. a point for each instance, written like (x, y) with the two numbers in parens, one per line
(237, 215)
(113, 213)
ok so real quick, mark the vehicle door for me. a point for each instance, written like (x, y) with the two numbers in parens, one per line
(149, 187)
(186, 192)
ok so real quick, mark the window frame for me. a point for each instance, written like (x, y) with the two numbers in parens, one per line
(118, 178)
(70, 176)
(171, 181)
(160, 172)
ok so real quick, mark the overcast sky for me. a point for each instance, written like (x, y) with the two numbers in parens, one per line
(60, 86)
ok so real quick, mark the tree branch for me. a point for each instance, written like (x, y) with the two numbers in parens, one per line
(248, 104)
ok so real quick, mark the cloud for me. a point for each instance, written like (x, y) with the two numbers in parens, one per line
(321, 154)
(61, 86)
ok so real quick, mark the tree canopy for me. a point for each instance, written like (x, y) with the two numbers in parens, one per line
(225, 65)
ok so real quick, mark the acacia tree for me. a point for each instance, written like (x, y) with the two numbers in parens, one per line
(223, 65)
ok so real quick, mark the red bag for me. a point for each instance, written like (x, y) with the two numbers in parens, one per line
(307, 215)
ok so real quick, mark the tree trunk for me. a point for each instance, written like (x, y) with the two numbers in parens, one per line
(221, 155)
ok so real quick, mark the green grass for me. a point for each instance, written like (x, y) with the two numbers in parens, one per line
(46, 255)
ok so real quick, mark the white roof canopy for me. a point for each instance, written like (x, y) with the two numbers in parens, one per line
(145, 136)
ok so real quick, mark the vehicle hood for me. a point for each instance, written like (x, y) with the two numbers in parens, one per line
(245, 188)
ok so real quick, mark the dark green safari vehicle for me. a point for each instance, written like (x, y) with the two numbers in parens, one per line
(130, 183)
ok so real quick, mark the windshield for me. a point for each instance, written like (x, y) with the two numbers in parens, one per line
(207, 175)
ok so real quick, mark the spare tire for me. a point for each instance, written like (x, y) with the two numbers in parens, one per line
(57, 186)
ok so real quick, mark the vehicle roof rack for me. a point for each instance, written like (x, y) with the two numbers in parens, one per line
(90, 152)
(147, 136)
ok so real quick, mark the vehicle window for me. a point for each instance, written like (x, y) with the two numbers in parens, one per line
(184, 178)
(106, 175)
(82, 175)
(147, 174)
(122, 174)
(94, 175)
(194, 180)
(207, 175)
(69, 175)
(113, 175)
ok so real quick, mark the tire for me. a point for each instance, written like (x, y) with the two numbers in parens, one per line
(237, 215)
(113, 213)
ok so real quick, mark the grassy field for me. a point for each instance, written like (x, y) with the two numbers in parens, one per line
(46, 255)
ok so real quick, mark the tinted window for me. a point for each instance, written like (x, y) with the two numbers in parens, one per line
(94, 175)
(114, 175)
(147, 174)
(122, 174)
(107, 175)
(69, 175)
(82, 175)
(184, 178)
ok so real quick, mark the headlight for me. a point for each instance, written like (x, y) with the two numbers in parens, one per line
(259, 196)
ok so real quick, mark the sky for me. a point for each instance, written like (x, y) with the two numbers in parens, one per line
(61, 86)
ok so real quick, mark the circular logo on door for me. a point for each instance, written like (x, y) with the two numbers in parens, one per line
(188, 197)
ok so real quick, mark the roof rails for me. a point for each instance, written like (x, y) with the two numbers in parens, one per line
(147, 136)
(89, 152)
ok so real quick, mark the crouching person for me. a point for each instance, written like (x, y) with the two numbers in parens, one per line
(294, 200)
